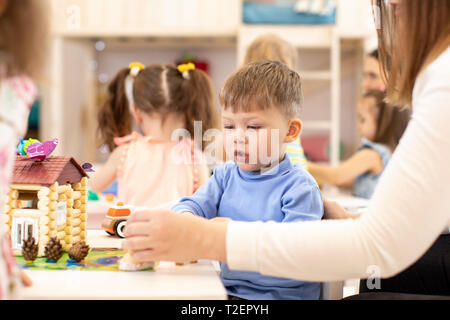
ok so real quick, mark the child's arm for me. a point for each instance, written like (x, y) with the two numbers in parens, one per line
(366, 160)
(205, 201)
(302, 202)
(107, 174)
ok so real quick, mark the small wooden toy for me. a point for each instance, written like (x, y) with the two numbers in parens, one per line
(116, 219)
(127, 263)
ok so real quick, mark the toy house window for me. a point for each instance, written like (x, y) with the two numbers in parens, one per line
(22, 229)
(27, 200)
(61, 213)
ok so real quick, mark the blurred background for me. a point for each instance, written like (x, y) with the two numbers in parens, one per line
(93, 39)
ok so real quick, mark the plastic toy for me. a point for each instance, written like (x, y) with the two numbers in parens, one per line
(24, 144)
(109, 197)
(92, 196)
(116, 219)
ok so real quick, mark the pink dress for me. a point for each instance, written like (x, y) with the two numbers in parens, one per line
(157, 174)
(16, 96)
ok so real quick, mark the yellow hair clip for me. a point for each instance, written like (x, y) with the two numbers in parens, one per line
(184, 68)
(135, 67)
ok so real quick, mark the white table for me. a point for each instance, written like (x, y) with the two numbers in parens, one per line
(198, 281)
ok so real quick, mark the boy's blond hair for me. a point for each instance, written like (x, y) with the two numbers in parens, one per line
(262, 85)
(272, 47)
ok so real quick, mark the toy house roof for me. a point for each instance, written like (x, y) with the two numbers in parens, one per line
(53, 169)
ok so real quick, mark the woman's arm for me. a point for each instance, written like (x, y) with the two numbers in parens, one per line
(366, 160)
(107, 174)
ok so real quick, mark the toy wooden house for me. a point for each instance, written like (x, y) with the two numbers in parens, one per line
(47, 199)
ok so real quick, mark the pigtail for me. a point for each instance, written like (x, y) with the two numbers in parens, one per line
(196, 98)
(114, 118)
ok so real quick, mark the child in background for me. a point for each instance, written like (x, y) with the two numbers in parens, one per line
(272, 47)
(381, 127)
(23, 31)
(260, 106)
(154, 170)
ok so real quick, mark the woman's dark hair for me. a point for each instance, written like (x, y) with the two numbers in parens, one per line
(391, 121)
(160, 89)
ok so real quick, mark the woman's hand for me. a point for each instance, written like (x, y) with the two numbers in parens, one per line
(161, 235)
(332, 210)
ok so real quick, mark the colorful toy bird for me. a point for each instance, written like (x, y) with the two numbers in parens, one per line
(35, 149)
(40, 151)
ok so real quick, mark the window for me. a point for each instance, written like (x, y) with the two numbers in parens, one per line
(21, 229)
(61, 213)
(27, 200)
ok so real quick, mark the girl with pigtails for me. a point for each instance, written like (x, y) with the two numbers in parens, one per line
(156, 168)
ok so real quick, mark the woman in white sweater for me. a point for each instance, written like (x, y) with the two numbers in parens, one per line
(408, 211)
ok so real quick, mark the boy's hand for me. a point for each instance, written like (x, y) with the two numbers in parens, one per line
(332, 210)
(162, 235)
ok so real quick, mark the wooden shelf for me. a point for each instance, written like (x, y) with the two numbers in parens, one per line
(161, 32)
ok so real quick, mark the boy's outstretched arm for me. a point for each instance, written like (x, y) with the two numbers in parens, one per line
(107, 174)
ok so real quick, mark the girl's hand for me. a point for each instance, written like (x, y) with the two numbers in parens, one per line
(161, 235)
(334, 211)
(26, 280)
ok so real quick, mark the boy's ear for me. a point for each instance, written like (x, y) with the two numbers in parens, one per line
(295, 128)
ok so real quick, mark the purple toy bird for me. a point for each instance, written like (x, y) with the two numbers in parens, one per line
(88, 167)
(39, 151)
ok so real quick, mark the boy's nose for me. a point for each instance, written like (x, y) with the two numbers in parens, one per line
(240, 136)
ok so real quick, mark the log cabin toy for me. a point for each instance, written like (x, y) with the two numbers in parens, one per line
(47, 199)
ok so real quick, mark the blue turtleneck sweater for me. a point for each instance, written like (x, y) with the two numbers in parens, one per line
(282, 194)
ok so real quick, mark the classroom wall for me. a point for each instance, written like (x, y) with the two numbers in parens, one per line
(223, 62)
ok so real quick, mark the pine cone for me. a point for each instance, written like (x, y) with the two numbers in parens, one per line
(79, 251)
(29, 249)
(53, 249)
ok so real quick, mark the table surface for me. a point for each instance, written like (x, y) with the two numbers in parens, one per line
(168, 282)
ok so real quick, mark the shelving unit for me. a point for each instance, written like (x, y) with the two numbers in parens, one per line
(70, 93)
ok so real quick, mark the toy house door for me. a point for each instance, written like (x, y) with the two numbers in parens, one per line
(21, 229)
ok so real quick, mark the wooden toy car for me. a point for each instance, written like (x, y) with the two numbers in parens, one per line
(116, 219)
